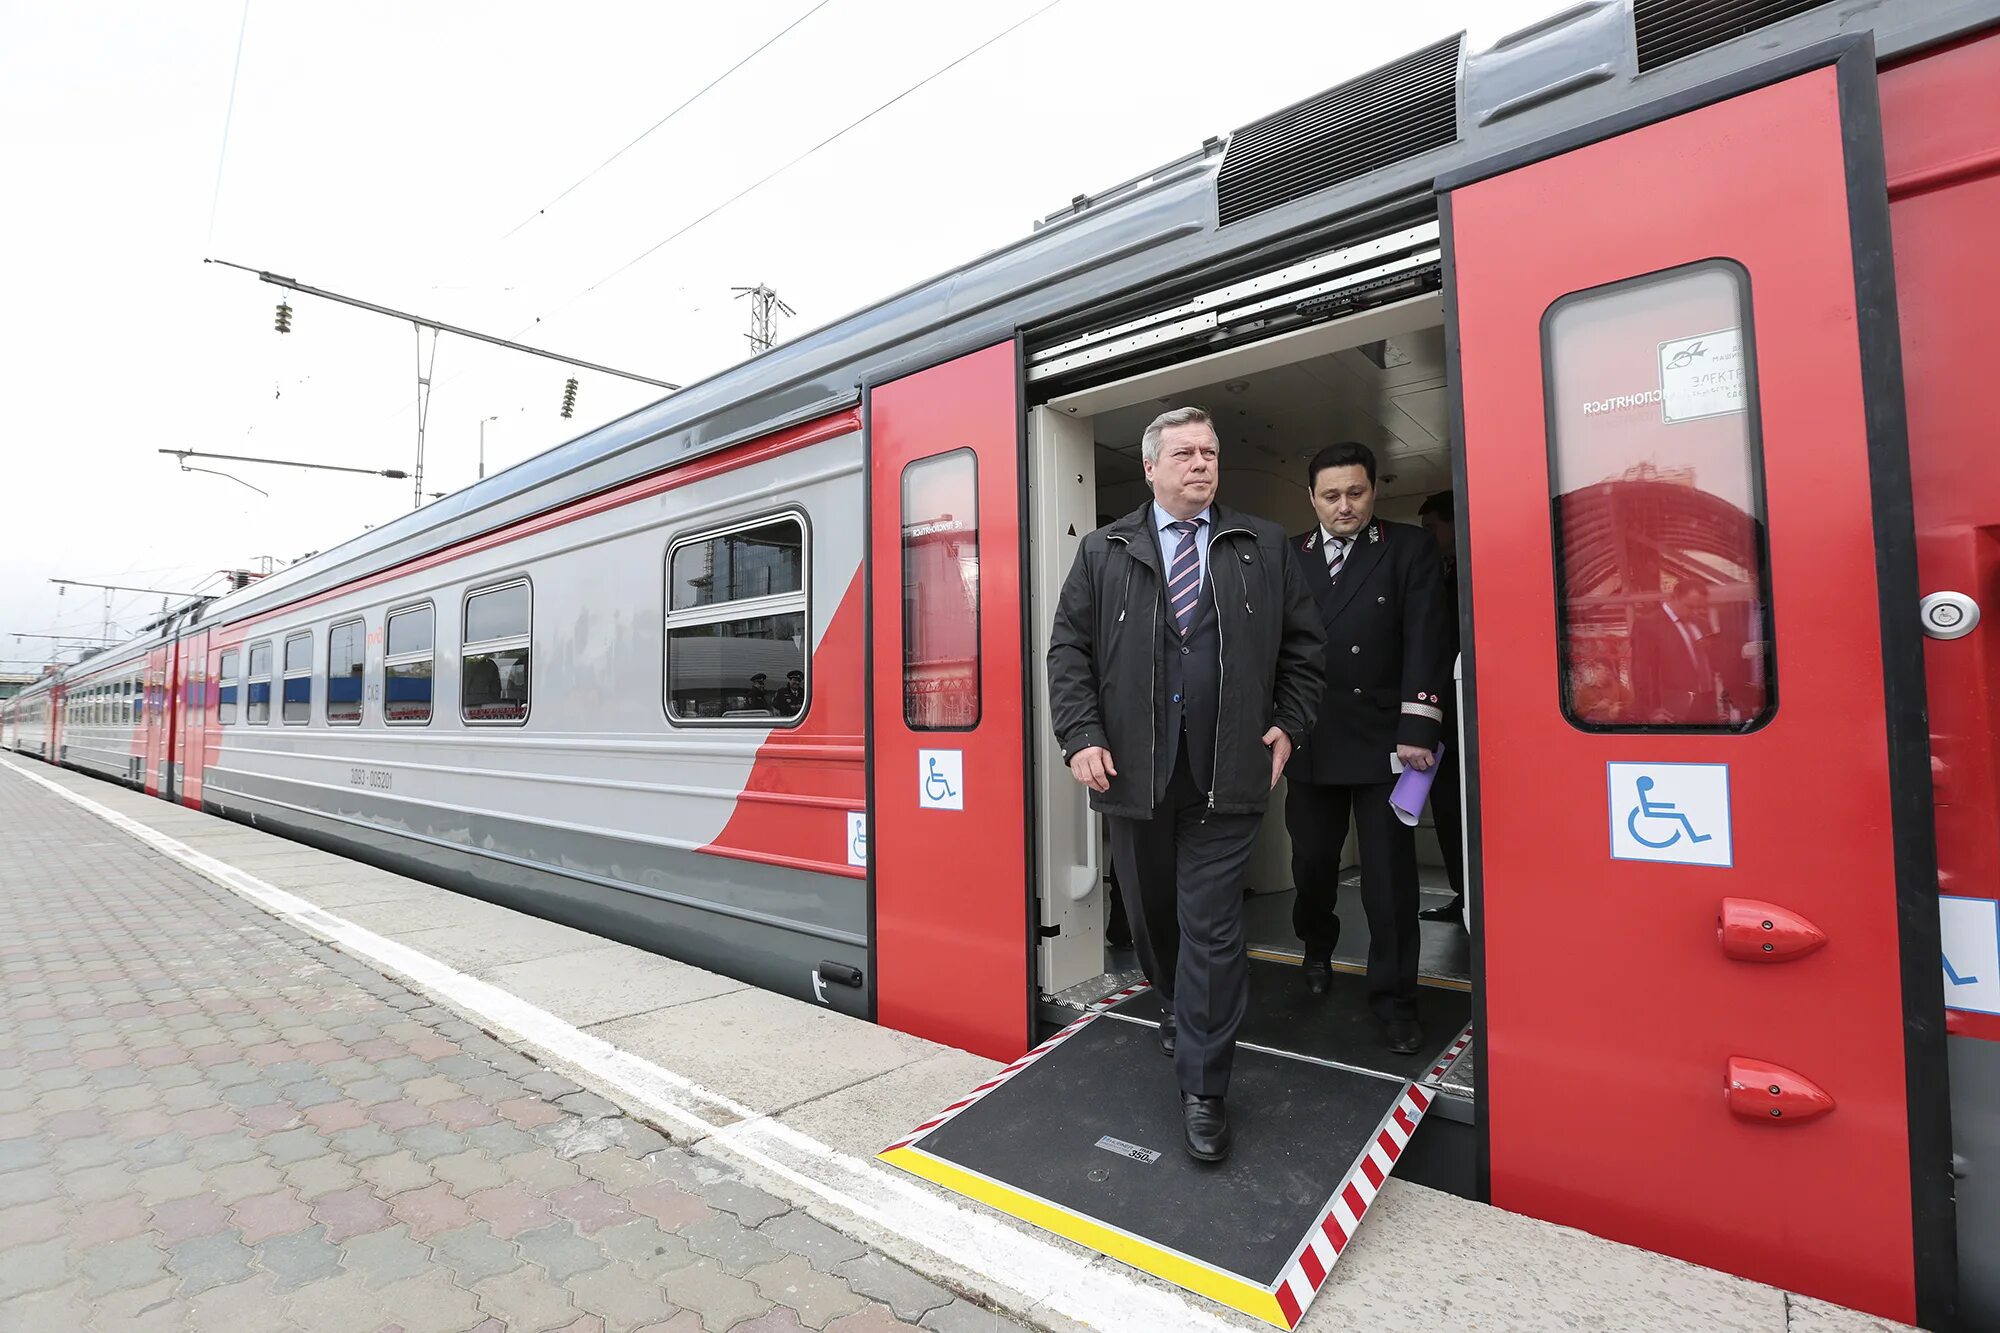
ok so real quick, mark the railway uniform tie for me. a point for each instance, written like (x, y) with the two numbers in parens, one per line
(1336, 556)
(1184, 576)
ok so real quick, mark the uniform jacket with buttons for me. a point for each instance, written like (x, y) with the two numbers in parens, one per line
(1387, 653)
(1108, 646)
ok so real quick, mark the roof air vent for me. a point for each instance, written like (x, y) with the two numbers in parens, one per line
(1393, 113)
(1670, 29)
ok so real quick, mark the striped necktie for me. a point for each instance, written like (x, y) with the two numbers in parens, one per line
(1336, 557)
(1184, 576)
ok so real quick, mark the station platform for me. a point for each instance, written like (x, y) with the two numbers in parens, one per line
(245, 1083)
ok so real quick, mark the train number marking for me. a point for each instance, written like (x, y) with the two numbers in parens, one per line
(381, 779)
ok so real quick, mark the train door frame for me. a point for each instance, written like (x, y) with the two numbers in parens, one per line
(1852, 59)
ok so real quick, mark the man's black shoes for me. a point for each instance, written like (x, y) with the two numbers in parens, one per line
(1319, 974)
(1403, 1035)
(1453, 911)
(1167, 1034)
(1206, 1127)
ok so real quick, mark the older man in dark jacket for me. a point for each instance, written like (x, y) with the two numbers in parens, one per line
(1185, 662)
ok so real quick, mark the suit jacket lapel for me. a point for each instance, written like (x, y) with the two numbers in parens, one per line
(1362, 557)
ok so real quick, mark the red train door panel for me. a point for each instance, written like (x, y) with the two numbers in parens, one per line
(948, 841)
(1697, 680)
(192, 694)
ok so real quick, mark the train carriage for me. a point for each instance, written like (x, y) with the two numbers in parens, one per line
(1667, 293)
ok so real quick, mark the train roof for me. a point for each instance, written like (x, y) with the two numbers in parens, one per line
(1347, 163)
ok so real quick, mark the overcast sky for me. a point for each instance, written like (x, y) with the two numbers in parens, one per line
(393, 151)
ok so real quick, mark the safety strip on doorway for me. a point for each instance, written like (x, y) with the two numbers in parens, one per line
(1281, 1303)
(1449, 1058)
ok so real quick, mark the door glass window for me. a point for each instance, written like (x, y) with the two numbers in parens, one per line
(1662, 578)
(941, 592)
(344, 662)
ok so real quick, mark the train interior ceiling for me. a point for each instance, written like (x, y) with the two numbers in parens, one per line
(1379, 378)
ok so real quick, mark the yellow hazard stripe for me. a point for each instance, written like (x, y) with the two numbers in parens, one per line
(1358, 969)
(1200, 1278)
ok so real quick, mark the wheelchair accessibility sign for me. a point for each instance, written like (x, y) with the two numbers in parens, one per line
(941, 779)
(1677, 813)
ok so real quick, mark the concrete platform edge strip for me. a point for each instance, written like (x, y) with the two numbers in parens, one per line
(965, 1239)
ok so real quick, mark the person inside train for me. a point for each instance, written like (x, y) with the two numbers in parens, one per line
(1186, 593)
(1439, 515)
(792, 696)
(1380, 593)
(1673, 677)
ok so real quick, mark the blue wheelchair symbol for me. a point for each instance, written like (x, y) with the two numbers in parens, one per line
(1952, 973)
(1661, 810)
(936, 786)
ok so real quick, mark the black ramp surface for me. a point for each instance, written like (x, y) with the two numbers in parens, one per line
(1337, 1026)
(1299, 1127)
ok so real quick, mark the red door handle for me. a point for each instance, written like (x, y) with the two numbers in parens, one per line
(1760, 1090)
(1751, 931)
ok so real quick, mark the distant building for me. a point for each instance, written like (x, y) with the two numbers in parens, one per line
(13, 682)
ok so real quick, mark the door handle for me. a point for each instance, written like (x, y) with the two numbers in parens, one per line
(1770, 1093)
(1752, 931)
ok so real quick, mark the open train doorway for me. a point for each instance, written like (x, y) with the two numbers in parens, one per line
(1377, 377)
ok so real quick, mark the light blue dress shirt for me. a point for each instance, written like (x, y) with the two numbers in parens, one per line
(1170, 541)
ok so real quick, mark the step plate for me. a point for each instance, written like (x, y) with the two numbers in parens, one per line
(1082, 1137)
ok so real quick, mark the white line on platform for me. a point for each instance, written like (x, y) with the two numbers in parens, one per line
(1068, 1283)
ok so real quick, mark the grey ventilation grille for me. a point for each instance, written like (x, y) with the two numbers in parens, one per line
(1669, 30)
(1396, 112)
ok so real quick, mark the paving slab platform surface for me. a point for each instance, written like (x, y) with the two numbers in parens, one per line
(248, 1086)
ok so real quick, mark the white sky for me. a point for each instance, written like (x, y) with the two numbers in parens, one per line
(386, 149)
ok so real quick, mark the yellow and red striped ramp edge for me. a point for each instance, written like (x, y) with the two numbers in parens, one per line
(1281, 1303)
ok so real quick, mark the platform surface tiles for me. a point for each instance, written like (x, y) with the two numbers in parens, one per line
(249, 1085)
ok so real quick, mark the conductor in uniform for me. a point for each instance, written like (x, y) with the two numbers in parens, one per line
(1381, 600)
(1184, 664)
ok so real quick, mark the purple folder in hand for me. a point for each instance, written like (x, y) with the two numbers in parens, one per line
(1413, 789)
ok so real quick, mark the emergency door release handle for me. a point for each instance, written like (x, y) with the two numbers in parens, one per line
(1751, 931)
(1760, 1090)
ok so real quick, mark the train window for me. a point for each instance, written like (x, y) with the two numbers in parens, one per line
(257, 691)
(409, 642)
(736, 625)
(941, 592)
(226, 687)
(125, 703)
(493, 675)
(298, 702)
(1663, 587)
(345, 662)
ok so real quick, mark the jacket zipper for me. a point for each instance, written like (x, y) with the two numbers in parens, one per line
(1152, 642)
(1222, 659)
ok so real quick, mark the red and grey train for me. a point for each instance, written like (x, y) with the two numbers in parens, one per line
(1668, 292)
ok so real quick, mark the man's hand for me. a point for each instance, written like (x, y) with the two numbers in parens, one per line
(1092, 767)
(1415, 756)
(1281, 751)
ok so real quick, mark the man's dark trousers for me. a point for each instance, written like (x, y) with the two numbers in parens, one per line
(1183, 872)
(1317, 814)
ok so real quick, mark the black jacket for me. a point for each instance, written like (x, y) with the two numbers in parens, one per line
(1388, 667)
(1111, 637)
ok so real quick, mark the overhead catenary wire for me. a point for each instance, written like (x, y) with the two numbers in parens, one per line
(766, 179)
(703, 92)
(228, 118)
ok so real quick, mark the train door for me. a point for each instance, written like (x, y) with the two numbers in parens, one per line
(1702, 806)
(190, 705)
(947, 780)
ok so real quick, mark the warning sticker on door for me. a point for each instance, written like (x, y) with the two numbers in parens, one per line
(1702, 376)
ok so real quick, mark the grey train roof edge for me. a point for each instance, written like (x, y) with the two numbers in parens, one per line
(1566, 70)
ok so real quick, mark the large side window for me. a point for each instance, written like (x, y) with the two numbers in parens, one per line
(258, 687)
(1663, 587)
(298, 679)
(736, 625)
(493, 674)
(941, 592)
(408, 646)
(345, 661)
